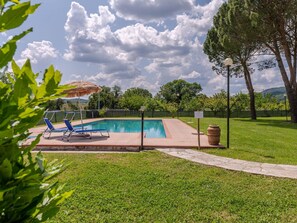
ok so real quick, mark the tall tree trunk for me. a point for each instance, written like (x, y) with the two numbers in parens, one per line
(292, 98)
(252, 105)
(249, 85)
(291, 88)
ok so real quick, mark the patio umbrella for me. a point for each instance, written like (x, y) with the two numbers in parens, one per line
(81, 88)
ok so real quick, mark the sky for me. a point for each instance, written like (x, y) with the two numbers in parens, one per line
(130, 43)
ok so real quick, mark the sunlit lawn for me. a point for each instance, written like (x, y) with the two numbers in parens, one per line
(271, 140)
(154, 187)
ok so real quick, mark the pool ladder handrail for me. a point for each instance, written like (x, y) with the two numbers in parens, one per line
(71, 114)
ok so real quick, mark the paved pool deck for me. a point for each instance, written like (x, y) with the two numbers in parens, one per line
(178, 135)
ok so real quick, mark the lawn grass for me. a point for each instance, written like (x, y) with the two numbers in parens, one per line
(271, 140)
(154, 187)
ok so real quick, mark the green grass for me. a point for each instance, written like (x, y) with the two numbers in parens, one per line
(154, 187)
(271, 140)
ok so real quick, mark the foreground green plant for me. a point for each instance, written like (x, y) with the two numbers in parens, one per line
(26, 195)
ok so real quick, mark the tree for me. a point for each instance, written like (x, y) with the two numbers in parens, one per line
(218, 102)
(153, 104)
(55, 104)
(137, 91)
(178, 90)
(71, 105)
(275, 23)
(107, 99)
(225, 40)
(172, 108)
(196, 104)
(267, 102)
(134, 98)
(26, 192)
(239, 102)
(93, 101)
(117, 92)
(133, 102)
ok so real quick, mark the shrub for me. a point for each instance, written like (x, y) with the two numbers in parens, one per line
(26, 192)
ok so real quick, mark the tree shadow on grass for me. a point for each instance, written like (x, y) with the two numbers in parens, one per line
(271, 122)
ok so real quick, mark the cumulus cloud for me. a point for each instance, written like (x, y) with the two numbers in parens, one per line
(87, 35)
(267, 79)
(217, 83)
(193, 75)
(138, 49)
(150, 10)
(76, 77)
(268, 75)
(37, 51)
(142, 82)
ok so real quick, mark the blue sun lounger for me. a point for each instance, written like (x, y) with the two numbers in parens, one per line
(80, 131)
(50, 129)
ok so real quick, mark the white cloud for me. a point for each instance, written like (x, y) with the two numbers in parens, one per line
(217, 83)
(268, 78)
(150, 10)
(142, 82)
(76, 77)
(100, 77)
(138, 51)
(193, 75)
(76, 18)
(268, 75)
(38, 51)
(88, 35)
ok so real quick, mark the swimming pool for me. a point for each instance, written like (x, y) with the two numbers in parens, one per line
(152, 128)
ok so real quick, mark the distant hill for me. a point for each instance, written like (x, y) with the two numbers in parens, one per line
(277, 92)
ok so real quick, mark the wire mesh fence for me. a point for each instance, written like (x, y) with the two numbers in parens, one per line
(58, 116)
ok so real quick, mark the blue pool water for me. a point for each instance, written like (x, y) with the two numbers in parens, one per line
(152, 128)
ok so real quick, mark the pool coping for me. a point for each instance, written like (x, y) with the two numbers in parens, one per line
(178, 135)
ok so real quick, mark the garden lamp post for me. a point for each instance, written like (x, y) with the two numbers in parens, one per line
(285, 97)
(142, 124)
(178, 103)
(228, 62)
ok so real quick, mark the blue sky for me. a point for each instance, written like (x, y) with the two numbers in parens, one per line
(130, 43)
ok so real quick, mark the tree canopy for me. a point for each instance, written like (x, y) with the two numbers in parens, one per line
(106, 98)
(137, 91)
(224, 40)
(134, 98)
(267, 26)
(178, 90)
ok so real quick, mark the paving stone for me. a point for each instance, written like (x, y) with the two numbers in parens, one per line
(276, 170)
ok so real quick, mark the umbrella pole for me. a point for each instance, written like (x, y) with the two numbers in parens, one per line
(80, 111)
(81, 119)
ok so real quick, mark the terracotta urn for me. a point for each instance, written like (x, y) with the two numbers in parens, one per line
(213, 133)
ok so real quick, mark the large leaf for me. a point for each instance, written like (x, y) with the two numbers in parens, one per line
(16, 15)
(5, 170)
(3, 2)
(50, 83)
(25, 84)
(2, 192)
(8, 49)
